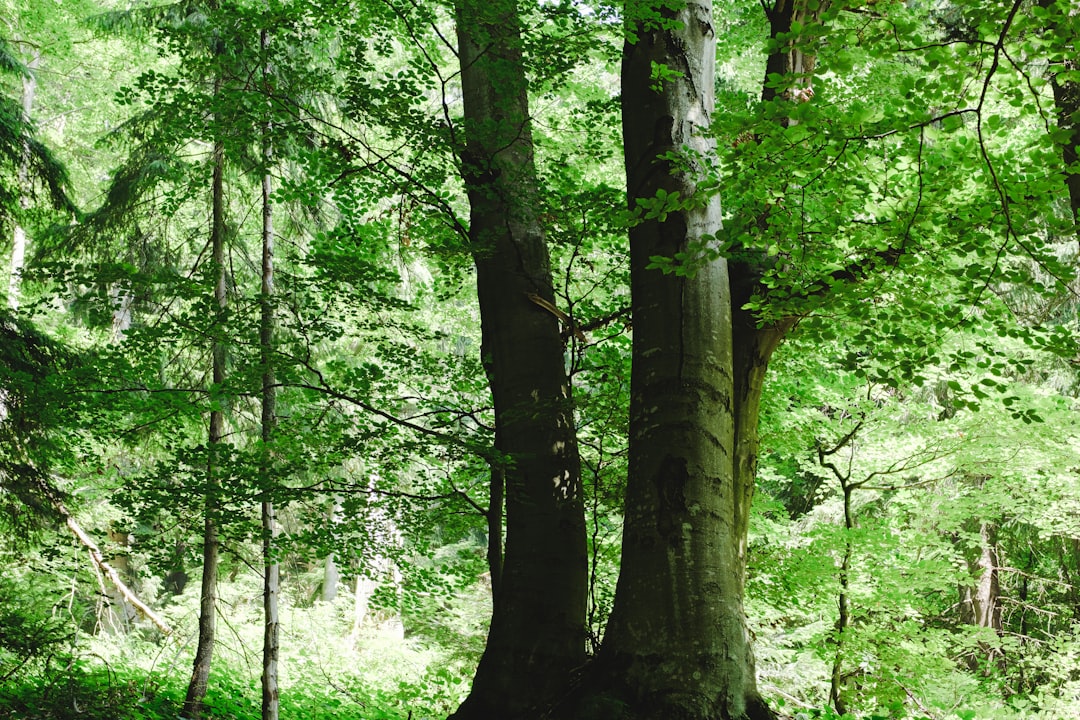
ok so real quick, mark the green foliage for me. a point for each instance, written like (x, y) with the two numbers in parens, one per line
(909, 215)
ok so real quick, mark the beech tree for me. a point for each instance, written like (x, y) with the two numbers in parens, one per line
(677, 644)
(539, 585)
(870, 219)
(1061, 22)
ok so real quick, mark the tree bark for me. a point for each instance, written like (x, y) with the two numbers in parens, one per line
(1067, 105)
(980, 605)
(677, 645)
(18, 240)
(787, 59)
(537, 632)
(119, 612)
(200, 674)
(331, 574)
(268, 423)
(494, 519)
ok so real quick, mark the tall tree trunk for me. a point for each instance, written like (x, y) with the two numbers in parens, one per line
(677, 645)
(18, 240)
(1067, 104)
(537, 632)
(200, 675)
(271, 568)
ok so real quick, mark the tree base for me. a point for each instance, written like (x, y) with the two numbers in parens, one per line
(602, 693)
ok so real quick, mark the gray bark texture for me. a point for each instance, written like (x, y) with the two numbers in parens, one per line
(537, 633)
(204, 652)
(268, 422)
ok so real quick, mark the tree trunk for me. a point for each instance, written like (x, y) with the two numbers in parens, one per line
(331, 574)
(843, 620)
(677, 646)
(271, 568)
(1067, 104)
(980, 605)
(122, 301)
(537, 632)
(494, 519)
(788, 60)
(364, 587)
(119, 612)
(18, 241)
(204, 653)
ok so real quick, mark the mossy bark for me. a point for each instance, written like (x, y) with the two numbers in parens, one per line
(677, 646)
(537, 633)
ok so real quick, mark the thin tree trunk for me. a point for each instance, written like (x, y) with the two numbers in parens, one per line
(200, 675)
(537, 633)
(843, 619)
(331, 574)
(18, 242)
(271, 567)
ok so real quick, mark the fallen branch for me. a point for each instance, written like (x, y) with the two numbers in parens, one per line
(110, 571)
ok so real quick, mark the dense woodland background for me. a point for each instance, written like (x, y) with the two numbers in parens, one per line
(242, 332)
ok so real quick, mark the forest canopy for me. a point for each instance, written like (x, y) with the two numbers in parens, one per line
(492, 360)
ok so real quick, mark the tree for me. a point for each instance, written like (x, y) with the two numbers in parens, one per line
(215, 443)
(677, 644)
(25, 162)
(1058, 21)
(268, 421)
(539, 587)
(854, 178)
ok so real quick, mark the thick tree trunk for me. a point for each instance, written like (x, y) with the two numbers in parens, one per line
(200, 674)
(677, 646)
(1067, 104)
(537, 630)
(788, 60)
(1067, 101)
